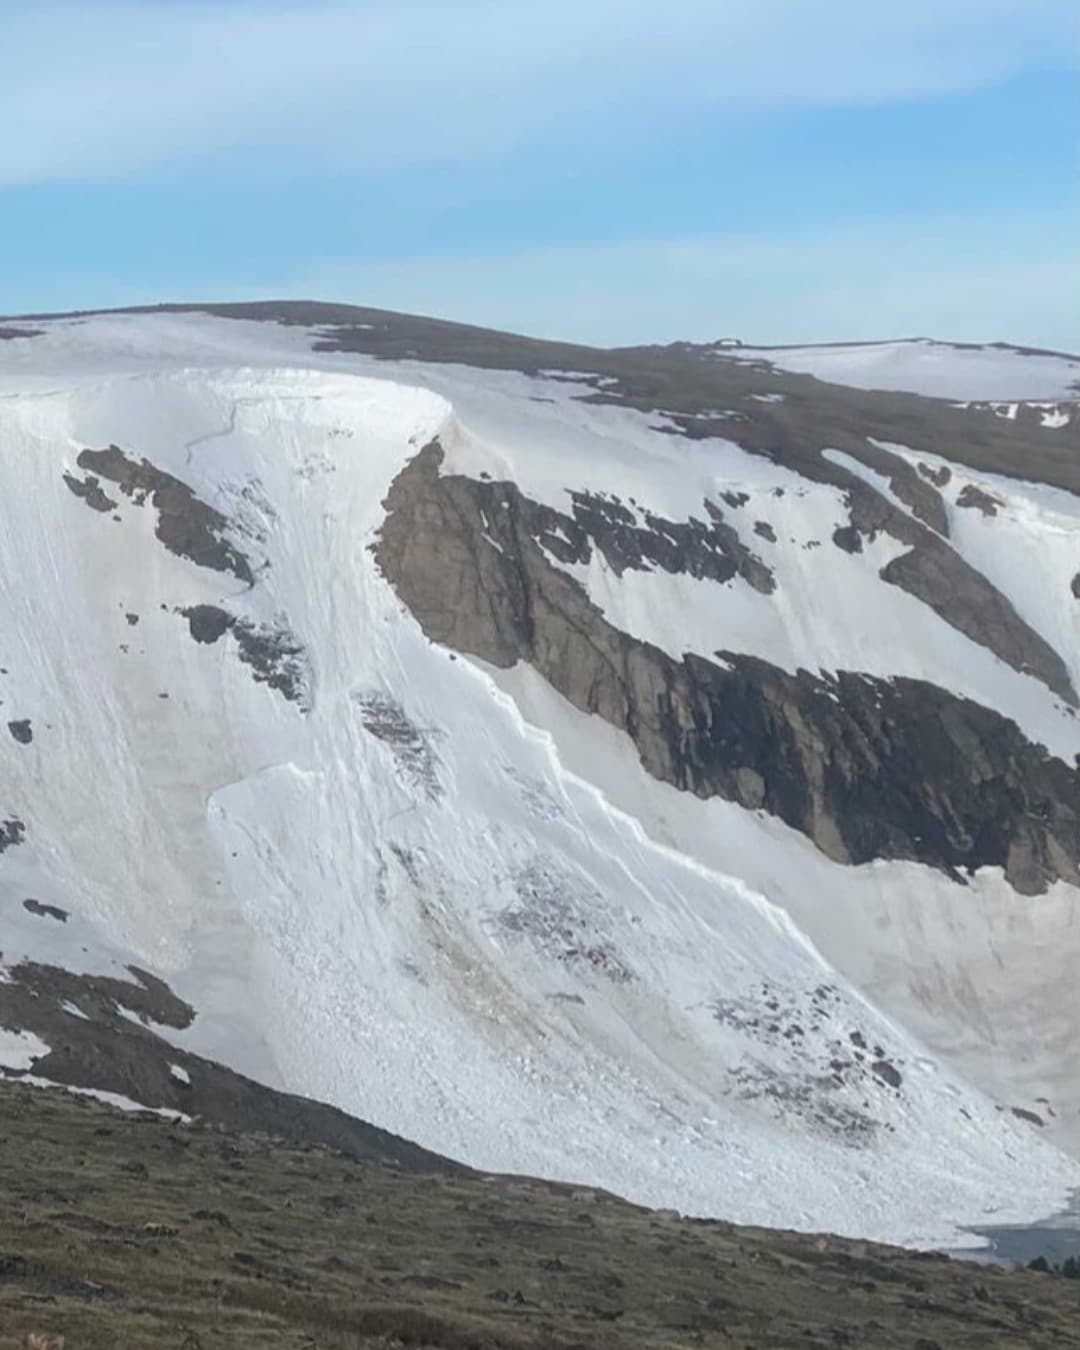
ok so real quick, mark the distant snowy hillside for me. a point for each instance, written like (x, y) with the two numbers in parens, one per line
(615, 766)
(986, 372)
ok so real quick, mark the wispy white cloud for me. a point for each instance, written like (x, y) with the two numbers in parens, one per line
(1014, 280)
(111, 88)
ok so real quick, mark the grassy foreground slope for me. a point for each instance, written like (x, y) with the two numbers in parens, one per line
(121, 1230)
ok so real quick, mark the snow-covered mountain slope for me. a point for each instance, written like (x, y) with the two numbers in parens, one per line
(993, 372)
(609, 766)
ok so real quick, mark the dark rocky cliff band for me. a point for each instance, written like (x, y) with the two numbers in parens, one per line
(186, 526)
(865, 767)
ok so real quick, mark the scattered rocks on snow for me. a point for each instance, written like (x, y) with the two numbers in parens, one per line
(887, 1072)
(207, 623)
(275, 656)
(412, 748)
(848, 538)
(940, 477)
(12, 831)
(91, 492)
(564, 918)
(974, 498)
(45, 911)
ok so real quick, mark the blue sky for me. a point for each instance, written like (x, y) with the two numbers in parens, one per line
(608, 170)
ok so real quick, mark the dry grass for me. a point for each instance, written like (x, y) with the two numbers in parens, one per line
(119, 1232)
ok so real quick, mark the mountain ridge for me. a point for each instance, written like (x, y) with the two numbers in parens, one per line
(527, 793)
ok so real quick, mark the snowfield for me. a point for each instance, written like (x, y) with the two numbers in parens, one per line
(436, 895)
(994, 372)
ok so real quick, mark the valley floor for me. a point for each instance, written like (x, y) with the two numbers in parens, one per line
(128, 1230)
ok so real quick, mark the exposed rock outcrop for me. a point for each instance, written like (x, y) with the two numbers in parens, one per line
(186, 525)
(867, 768)
(933, 572)
(975, 498)
(274, 654)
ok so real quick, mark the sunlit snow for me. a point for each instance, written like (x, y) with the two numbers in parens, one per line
(529, 956)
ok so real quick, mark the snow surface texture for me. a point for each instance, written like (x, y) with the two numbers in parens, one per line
(442, 899)
(976, 373)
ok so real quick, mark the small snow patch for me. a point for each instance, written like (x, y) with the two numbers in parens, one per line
(19, 1049)
(109, 1098)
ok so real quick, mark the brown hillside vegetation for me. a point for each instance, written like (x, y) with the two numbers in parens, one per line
(122, 1230)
